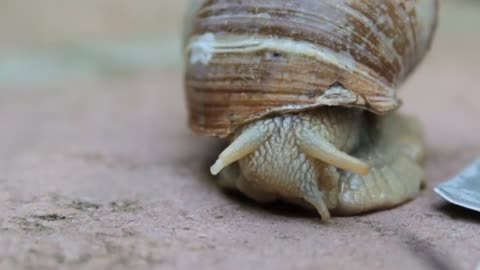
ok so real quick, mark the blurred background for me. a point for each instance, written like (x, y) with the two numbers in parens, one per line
(54, 39)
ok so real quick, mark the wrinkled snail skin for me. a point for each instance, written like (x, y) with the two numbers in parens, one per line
(306, 92)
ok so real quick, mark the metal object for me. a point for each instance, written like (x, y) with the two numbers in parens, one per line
(464, 189)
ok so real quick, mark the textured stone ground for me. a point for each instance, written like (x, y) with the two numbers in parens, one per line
(104, 174)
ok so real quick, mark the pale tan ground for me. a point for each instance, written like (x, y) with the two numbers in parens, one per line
(104, 174)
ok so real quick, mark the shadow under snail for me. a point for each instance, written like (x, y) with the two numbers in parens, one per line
(305, 91)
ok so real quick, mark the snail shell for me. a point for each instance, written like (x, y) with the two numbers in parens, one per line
(247, 59)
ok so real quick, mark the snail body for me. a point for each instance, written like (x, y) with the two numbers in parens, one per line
(306, 92)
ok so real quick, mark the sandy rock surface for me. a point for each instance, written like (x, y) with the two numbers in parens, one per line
(105, 174)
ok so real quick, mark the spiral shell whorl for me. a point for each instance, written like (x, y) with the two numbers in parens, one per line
(249, 58)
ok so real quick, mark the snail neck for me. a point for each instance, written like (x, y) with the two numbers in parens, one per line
(296, 156)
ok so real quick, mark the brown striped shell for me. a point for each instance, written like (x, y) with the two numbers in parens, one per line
(246, 59)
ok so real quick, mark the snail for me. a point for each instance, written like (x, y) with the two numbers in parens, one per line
(305, 93)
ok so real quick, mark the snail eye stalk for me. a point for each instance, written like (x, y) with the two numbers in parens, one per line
(249, 141)
(318, 147)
